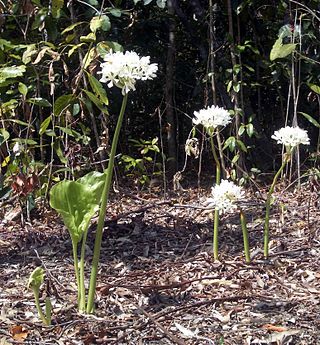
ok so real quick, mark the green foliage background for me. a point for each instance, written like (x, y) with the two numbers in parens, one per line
(54, 106)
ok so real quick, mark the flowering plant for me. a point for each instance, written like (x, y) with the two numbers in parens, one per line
(291, 137)
(124, 69)
(225, 195)
(211, 118)
(224, 199)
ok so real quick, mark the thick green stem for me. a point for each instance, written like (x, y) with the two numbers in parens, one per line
(268, 206)
(41, 315)
(103, 207)
(243, 222)
(82, 302)
(216, 159)
(216, 235)
(76, 267)
(216, 212)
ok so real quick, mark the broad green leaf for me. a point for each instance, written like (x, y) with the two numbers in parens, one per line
(93, 98)
(41, 102)
(71, 27)
(241, 145)
(315, 88)
(23, 89)
(25, 141)
(104, 47)
(44, 125)
(74, 48)
(6, 44)
(90, 55)
(241, 130)
(100, 22)
(146, 2)
(280, 50)
(76, 204)
(28, 53)
(57, 5)
(231, 143)
(116, 12)
(310, 119)
(69, 131)
(11, 72)
(62, 103)
(36, 278)
(4, 136)
(91, 37)
(250, 129)
(98, 89)
(94, 180)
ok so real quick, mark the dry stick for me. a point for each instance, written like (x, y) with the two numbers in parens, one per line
(169, 335)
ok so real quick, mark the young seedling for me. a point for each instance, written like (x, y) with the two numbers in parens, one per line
(34, 283)
(77, 202)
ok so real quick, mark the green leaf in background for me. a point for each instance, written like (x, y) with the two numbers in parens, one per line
(315, 88)
(62, 103)
(91, 37)
(94, 99)
(98, 89)
(231, 143)
(310, 119)
(44, 125)
(116, 12)
(4, 136)
(100, 22)
(161, 3)
(71, 27)
(250, 129)
(76, 203)
(11, 72)
(280, 50)
(57, 5)
(36, 278)
(23, 89)
(41, 102)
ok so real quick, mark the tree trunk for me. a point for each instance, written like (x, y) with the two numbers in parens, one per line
(169, 96)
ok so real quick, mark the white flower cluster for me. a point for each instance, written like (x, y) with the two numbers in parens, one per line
(224, 196)
(124, 69)
(212, 117)
(291, 137)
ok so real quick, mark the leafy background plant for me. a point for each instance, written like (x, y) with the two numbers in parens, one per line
(53, 104)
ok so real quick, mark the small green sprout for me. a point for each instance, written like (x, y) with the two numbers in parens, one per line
(35, 280)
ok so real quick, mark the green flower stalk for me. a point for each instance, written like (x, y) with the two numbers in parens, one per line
(216, 212)
(245, 236)
(224, 198)
(103, 208)
(290, 137)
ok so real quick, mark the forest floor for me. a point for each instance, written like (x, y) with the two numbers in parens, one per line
(158, 282)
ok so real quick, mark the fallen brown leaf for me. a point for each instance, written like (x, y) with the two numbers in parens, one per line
(273, 328)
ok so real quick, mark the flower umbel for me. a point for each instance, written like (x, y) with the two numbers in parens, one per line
(124, 69)
(212, 117)
(225, 195)
(291, 137)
